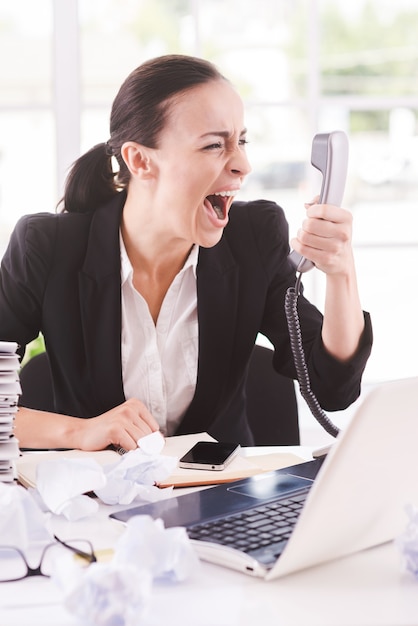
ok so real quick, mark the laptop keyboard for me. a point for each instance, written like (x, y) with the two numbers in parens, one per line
(262, 532)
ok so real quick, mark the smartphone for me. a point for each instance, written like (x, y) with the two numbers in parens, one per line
(209, 455)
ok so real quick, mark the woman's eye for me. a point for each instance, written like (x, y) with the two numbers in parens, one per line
(214, 146)
(220, 145)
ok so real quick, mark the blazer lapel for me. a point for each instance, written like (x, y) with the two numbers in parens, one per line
(100, 298)
(217, 285)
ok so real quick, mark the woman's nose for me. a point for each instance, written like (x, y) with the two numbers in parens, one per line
(239, 163)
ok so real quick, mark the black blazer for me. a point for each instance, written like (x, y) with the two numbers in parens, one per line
(61, 276)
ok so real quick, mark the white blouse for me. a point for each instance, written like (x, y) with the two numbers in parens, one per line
(159, 362)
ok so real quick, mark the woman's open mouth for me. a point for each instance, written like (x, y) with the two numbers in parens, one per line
(219, 202)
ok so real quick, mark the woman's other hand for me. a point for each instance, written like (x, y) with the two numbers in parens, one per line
(122, 426)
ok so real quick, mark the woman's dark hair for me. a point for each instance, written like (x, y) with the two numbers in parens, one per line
(139, 113)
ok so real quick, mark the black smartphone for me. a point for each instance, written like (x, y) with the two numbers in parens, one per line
(209, 455)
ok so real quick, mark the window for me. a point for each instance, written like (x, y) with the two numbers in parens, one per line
(27, 176)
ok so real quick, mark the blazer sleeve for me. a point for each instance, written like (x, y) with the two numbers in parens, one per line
(336, 384)
(23, 277)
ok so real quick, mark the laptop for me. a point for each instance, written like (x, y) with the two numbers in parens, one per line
(350, 500)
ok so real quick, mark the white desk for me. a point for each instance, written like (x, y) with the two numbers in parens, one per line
(365, 589)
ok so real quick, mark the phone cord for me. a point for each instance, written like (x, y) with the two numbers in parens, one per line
(296, 344)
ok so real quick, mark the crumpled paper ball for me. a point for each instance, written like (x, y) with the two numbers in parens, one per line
(135, 476)
(22, 523)
(110, 594)
(408, 541)
(62, 482)
(118, 592)
(166, 552)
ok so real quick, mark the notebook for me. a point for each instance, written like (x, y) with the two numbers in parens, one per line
(353, 499)
(240, 467)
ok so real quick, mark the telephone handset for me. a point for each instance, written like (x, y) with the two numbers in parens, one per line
(329, 156)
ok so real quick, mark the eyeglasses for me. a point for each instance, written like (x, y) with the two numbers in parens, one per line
(14, 565)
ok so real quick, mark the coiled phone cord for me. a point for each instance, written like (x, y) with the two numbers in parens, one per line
(296, 344)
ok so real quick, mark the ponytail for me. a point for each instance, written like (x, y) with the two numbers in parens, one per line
(91, 181)
(139, 113)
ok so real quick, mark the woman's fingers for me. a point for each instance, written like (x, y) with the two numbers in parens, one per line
(325, 237)
(121, 426)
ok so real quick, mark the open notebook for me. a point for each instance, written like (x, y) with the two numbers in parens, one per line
(277, 523)
(240, 467)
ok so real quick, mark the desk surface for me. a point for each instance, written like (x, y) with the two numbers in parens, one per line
(367, 589)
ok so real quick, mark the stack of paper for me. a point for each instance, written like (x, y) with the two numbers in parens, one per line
(9, 394)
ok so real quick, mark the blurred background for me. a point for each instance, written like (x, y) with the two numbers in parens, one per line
(301, 66)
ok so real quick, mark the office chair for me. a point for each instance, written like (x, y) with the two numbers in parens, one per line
(272, 408)
(271, 398)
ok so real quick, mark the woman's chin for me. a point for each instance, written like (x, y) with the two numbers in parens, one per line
(208, 240)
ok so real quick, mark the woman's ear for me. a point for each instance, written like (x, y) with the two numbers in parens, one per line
(137, 159)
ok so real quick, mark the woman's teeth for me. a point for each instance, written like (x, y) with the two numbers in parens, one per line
(225, 193)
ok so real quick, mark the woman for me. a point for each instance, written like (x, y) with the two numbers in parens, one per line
(150, 286)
